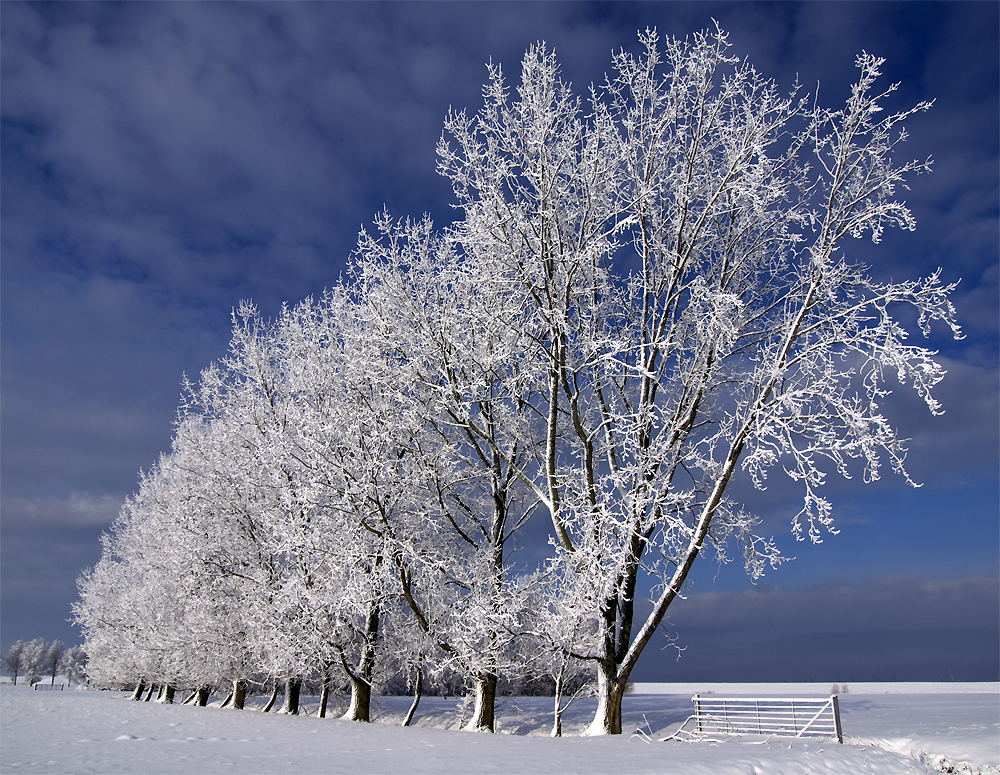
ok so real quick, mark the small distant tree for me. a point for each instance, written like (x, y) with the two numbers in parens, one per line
(14, 660)
(73, 663)
(33, 660)
(52, 658)
(564, 628)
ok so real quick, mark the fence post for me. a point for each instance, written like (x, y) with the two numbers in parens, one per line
(836, 718)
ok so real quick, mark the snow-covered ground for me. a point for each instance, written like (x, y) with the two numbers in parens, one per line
(105, 732)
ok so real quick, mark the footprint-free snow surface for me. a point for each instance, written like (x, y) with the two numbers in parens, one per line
(105, 732)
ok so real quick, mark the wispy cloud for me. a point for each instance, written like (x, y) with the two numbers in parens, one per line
(78, 510)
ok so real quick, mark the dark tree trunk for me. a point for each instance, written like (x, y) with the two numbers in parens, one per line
(610, 691)
(324, 697)
(361, 699)
(418, 690)
(204, 692)
(273, 697)
(239, 694)
(292, 689)
(139, 689)
(361, 687)
(482, 720)
(610, 686)
(558, 709)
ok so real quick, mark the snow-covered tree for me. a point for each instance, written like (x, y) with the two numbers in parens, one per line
(33, 660)
(14, 660)
(455, 339)
(565, 632)
(697, 312)
(296, 399)
(642, 298)
(52, 659)
(73, 664)
(346, 481)
(167, 601)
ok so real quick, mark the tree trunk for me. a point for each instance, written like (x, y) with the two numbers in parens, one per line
(273, 697)
(225, 702)
(292, 689)
(324, 696)
(418, 690)
(136, 695)
(190, 698)
(149, 694)
(361, 697)
(361, 686)
(482, 719)
(610, 690)
(239, 693)
(167, 695)
(557, 710)
(203, 694)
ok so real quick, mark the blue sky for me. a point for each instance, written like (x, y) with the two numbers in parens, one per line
(161, 162)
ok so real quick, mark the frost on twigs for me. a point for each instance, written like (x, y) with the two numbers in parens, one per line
(643, 295)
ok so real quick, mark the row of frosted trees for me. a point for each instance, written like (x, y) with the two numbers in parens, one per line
(36, 659)
(326, 515)
(639, 300)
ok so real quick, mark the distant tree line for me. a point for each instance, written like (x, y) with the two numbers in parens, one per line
(38, 659)
(640, 299)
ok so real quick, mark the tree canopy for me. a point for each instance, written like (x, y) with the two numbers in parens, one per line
(644, 293)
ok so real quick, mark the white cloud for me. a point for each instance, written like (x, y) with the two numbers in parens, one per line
(78, 510)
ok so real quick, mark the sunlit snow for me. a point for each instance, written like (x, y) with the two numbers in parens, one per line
(101, 732)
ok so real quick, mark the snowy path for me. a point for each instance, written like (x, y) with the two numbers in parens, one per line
(104, 732)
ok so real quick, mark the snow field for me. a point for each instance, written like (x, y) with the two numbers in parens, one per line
(105, 732)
